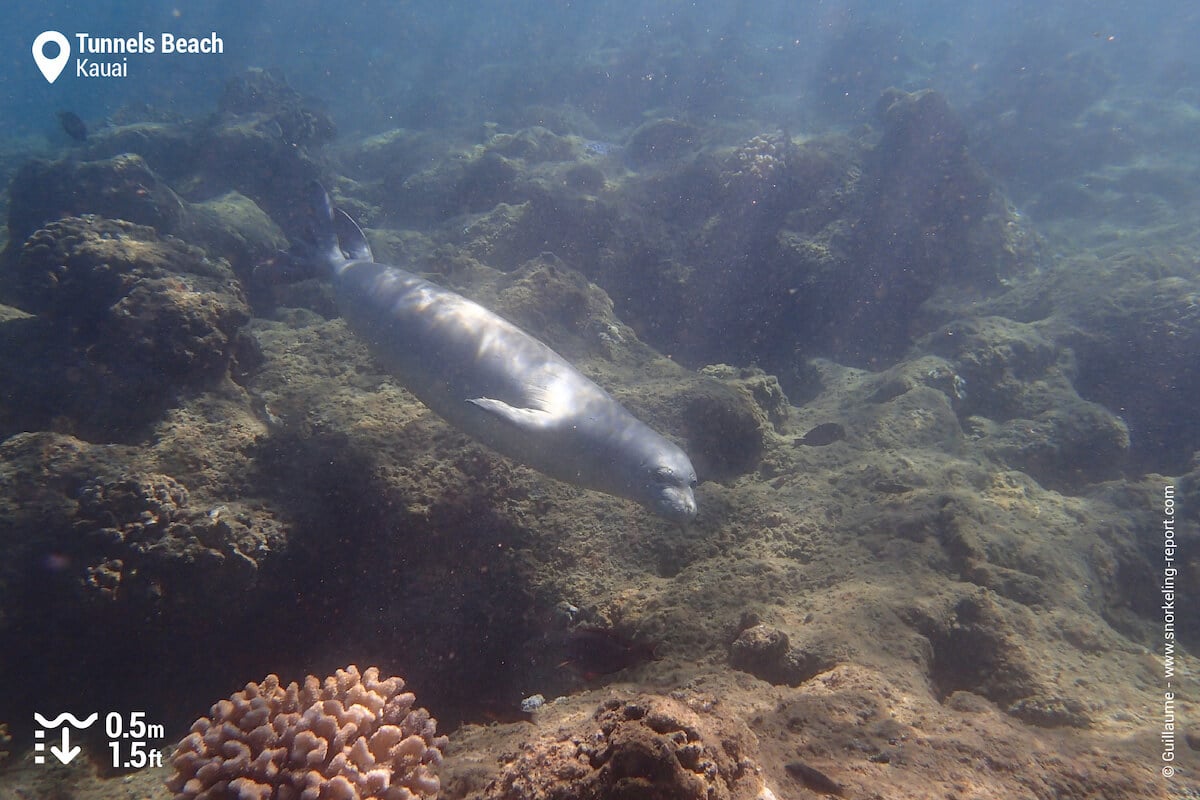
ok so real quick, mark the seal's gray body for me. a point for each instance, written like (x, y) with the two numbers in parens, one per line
(500, 385)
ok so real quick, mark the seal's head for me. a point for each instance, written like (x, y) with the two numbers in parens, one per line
(668, 478)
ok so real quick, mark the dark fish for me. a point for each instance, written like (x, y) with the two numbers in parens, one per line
(823, 434)
(813, 778)
(602, 651)
(73, 125)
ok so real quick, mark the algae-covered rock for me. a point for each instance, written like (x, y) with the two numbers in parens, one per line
(294, 118)
(1018, 389)
(126, 320)
(121, 187)
(168, 147)
(97, 518)
(234, 226)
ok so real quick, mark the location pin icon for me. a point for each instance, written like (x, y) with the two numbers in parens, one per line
(51, 67)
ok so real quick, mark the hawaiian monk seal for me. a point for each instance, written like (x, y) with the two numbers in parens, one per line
(493, 380)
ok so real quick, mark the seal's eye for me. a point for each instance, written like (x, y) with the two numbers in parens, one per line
(663, 474)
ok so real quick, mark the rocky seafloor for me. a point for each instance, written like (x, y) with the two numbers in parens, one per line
(933, 453)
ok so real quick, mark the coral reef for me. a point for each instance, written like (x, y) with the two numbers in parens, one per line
(100, 518)
(258, 144)
(797, 245)
(929, 215)
(641, 747)
(757, 169)
(120, 187)
(353, 736)
(126, 321)
(1022, 406)
(266, 92)
(128, 179)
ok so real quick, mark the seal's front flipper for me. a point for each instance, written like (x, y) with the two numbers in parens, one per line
(523, 418)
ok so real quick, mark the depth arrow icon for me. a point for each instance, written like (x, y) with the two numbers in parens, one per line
(66, 752)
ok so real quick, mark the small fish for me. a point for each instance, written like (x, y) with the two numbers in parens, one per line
(813, 778)
(823, 434)
(601, 651)
(73, 126)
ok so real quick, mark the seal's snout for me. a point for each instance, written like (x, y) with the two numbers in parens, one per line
(671, 482)
(677, 503)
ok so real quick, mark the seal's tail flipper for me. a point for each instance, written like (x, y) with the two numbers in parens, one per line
(350, 237)
(332, 233)
(321, 234)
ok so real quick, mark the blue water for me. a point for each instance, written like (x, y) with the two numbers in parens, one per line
(377, 63)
